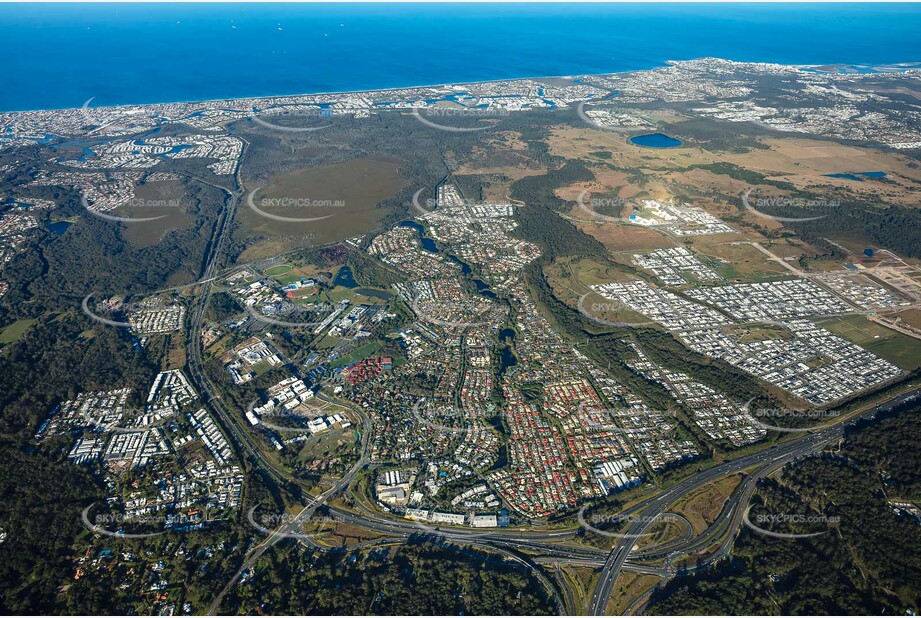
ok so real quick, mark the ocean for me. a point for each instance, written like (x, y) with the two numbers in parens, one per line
(59, 55)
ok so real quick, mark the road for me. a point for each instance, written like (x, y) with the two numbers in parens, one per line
(766, 461)
(547, 543)
(294, 524)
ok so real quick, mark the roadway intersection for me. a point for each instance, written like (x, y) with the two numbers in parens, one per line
(527, 547)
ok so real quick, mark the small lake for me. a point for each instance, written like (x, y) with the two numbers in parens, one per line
(429, 245)
(655, 140)
(858, 176)
(345, 278)
(507, 357)
(59, 227)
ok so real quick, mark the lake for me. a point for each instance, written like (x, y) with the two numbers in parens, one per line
(655, 140)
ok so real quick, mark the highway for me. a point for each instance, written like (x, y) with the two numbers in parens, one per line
(230, 422)
(550, 545)
(768, 460)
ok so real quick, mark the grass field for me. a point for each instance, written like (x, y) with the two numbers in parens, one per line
(357, 354)
(278, 270)
(702, 507)
(617, 237)
(569, 279)
(15, 331)
(911, 317)
(739, 262)
(900, 350)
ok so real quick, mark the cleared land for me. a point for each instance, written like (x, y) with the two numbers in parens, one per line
(901, 350)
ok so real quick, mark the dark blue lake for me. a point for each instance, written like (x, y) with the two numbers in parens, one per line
(858, 176)
(345, 278)
(59, 227)
(655, 140)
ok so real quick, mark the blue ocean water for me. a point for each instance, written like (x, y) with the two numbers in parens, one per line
(60, 55)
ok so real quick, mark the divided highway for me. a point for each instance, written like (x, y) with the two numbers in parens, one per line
(769, 460)
(508, 541)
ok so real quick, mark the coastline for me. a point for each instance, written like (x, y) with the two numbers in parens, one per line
(875, 69)
(343, 92)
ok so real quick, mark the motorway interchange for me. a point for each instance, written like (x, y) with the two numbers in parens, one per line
(527, 547)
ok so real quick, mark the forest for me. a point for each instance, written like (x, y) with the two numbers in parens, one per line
(415, 579)
(867, 562)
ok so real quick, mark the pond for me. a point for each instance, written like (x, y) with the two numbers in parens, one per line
(59, 227)
(345, 278)
(429, 245)
(655, 140)
(858, 176)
